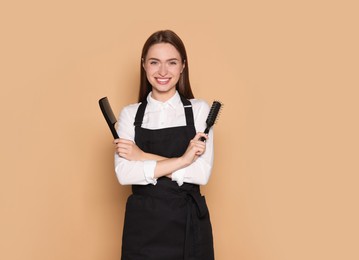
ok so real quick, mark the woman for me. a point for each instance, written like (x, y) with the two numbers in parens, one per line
(159, 153)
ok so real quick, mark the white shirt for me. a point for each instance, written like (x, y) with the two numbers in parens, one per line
(163, 115)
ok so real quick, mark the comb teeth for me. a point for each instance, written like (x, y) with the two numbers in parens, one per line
(108, 115)
(106, 108)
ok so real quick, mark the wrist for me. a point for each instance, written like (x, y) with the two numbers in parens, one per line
(144, 156)
(183, 161)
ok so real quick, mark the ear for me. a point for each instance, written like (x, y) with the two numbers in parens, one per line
(143, 63)
(183, 66)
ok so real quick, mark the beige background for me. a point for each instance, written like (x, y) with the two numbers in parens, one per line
(284, 185)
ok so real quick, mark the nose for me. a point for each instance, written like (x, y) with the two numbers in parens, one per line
(162, 71)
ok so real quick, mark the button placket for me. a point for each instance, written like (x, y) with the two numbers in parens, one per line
(162, 115)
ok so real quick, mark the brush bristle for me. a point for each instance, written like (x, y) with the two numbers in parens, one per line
(213, 113)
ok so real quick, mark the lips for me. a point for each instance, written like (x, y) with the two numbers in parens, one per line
(163, 81)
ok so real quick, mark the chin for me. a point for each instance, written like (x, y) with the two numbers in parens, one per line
(163, 88)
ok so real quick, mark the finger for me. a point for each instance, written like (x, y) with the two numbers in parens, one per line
(123, 149)
(123, 155)
(199, 143)
(125, 143)
(200, 147)
(197, 146)
(200, 135)
(197, 151)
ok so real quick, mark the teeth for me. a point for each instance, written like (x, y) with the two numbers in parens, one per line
(163, 80)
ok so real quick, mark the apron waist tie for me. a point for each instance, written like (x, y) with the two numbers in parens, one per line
(193, 199)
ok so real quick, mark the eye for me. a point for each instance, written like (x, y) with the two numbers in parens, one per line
(153, 62)
(173, 62)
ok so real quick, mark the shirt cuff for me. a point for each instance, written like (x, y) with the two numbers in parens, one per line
(149, 170)
(178, 176)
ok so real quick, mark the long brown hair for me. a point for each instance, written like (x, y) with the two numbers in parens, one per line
(183, 85)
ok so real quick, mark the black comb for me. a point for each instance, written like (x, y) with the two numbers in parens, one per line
(108, 115)
(212, 116)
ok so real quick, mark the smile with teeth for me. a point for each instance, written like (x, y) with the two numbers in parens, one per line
(162, 81)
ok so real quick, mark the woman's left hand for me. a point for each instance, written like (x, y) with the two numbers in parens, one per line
(195, 149)
(128, 149)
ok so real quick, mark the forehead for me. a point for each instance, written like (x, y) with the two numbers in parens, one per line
(163, 51)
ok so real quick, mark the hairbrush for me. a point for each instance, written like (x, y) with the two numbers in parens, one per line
(212, 117)
(108, 115)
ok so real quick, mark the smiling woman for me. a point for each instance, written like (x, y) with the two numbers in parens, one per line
(160, 154)
(163, 66)
(176, 46)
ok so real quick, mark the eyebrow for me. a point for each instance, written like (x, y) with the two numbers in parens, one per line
(166, 60)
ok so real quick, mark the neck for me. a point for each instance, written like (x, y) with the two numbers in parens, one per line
(162, 97)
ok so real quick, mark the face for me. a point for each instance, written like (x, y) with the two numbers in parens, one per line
(163, 66)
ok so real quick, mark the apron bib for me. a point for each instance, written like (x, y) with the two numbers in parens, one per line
(166, 221)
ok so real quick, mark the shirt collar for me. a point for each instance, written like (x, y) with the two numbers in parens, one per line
(172, 102)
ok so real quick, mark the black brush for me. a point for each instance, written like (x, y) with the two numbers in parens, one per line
(109, 116)
(212, 116)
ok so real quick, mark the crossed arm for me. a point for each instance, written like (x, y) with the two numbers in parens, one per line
(128, 150)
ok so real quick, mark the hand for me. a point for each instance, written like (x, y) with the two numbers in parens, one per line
(195, 149)
(128, 149)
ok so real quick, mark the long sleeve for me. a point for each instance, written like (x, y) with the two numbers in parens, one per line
(198, 172)
(132, 172)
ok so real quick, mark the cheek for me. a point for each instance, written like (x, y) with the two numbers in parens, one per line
(149, 72)
(176, 71)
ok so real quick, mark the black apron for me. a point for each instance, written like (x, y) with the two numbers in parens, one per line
(166, 221)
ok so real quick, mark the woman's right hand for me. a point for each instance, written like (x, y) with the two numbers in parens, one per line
(128, 149)
(195, 149)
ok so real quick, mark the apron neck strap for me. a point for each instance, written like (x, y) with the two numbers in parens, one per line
(188, 111)
(187, 105)
(140, 113)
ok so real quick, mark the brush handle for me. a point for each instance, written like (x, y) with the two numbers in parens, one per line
(206, 131)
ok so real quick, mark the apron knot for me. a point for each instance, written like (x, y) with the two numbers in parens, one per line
(200, 206)
(200, 203)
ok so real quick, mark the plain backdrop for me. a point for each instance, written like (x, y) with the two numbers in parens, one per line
(285, 180)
